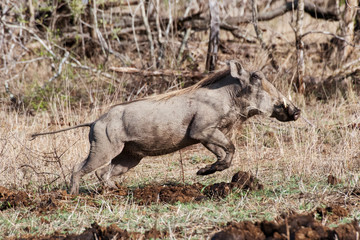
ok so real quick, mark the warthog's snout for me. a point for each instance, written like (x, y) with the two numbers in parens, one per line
(286, 112)
(293, 113)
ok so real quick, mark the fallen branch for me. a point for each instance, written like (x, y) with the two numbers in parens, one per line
(107, 4)
(331, 34)
(79, 65)
(236, 32)
(346, 69)
(309, 7)
(57, 74)
(130, 70)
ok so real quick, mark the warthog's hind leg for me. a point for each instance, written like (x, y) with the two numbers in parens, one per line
(98, 157)
(118, 166)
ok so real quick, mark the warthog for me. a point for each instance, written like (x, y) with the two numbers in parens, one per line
(203, 113)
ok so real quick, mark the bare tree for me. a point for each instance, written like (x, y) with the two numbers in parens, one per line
(149, 34)
(32, 13)
(300, 47)
(214, 36)
(259, 36)
(347, 25)
(91, 13)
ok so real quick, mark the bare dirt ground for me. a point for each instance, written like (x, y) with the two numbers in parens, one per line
(294, 226)
(143, 196)
(290, 225)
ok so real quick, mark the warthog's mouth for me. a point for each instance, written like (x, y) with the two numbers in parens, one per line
(294, 114)
(286, 114)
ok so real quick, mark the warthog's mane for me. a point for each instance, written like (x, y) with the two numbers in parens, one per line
(212, 78)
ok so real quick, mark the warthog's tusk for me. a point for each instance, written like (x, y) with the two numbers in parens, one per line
(284, 102)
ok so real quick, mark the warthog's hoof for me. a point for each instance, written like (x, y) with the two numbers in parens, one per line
(209, 169)
(206, 170)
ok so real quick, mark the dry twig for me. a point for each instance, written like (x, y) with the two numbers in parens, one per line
(331, 34)
(183, 44)
(133, 14)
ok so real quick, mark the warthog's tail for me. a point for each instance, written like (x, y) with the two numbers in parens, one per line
(34, 135)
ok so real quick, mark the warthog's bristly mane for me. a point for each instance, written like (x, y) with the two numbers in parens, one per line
(212, 78)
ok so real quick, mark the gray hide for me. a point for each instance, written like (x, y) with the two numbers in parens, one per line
(202, 114)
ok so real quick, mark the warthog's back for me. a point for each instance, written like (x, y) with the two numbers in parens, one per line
(155, 127)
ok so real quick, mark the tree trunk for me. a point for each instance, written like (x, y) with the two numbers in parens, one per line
(259, 36)
(214, 36)
(32, 13)
(347, 30)
(149, 34)
(300, 47)
(90, 12)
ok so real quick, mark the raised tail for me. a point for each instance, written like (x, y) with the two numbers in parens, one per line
(34, 135)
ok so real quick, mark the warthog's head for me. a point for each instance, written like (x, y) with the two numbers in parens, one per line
(259, 96)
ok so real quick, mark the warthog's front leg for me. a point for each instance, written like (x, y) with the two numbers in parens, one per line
(221, 146)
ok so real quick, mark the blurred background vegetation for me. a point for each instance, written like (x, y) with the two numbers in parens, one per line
(71, 51)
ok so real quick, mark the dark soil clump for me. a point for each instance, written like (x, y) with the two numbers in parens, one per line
(332, 213)
(245, 180)
(96, 232)
(297, 226)
(12, 199)
(332, 180)
(196, 192)
(168, 194)
(42, 204)
(241, 180)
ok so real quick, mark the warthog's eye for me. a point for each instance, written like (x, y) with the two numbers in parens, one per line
(255, 78)
(280, 106)
(254, 75)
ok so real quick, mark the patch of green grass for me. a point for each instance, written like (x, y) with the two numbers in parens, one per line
(196, 159)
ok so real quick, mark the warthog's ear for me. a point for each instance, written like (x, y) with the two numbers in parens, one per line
(236, 70)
